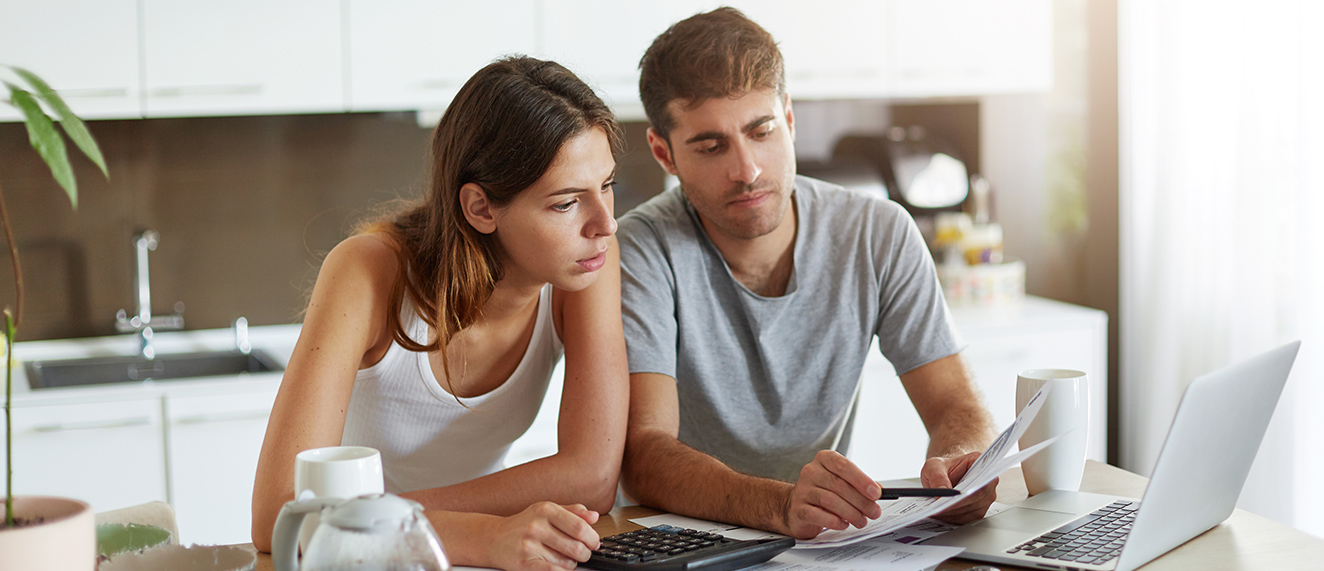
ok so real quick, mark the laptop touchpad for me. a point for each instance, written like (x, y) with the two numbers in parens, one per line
(1025, 519)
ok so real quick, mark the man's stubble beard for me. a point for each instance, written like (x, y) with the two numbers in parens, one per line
(748, 228)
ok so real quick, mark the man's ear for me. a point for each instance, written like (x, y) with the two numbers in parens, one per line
(661, 151)
(477, 209)
(790, 116)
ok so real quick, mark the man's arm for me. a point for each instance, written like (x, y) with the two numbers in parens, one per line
(662, 472)
(959, 429)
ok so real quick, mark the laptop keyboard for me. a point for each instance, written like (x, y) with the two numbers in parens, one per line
(1092, 539)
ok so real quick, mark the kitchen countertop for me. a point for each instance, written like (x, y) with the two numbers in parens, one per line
(276, 340)
(1243, 542)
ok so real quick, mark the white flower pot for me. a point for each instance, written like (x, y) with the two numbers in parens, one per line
(66, 539)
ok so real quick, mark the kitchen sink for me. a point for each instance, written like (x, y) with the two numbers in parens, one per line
(51, 373)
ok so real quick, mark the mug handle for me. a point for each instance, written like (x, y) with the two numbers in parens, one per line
(285, 537)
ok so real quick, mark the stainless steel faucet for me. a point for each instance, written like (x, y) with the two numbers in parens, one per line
(143, 323)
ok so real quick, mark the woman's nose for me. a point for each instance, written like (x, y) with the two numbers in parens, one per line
(601, 222)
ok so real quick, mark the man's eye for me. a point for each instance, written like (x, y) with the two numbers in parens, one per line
(564, 206)
(763, 134)
(607, 186)
(710, 150)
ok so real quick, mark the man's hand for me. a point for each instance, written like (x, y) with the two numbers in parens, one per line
(944, 473)
(832, 493)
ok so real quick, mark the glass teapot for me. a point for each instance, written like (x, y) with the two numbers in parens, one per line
(375, 531)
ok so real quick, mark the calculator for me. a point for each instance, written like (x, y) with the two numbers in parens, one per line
(671, 548)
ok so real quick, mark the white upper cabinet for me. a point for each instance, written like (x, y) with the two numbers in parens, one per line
(416, 54)
(833, 49)
(603, 40)
(242, 57)
(87, 51)
(161, 58)
(970, 47)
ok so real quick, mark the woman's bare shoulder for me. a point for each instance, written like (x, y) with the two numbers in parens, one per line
(371, 256)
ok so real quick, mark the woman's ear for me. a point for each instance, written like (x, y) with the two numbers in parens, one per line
(477, 210)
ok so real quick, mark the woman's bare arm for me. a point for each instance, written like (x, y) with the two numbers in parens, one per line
(345, 323)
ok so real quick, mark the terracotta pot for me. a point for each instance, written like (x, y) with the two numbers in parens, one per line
(66, 539)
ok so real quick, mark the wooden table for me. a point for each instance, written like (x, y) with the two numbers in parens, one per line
(1245, 542)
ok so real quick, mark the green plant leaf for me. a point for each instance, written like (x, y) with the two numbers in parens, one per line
(116, 538)
(72, 124)
(46, 140)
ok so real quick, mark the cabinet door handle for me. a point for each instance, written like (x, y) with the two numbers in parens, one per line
(93, 93)
(201, 90)
(224, 417)
(122, 423)
(855, 73)
(434, 84)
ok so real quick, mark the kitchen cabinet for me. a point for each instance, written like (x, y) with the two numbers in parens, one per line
(193, 443)
(969, 47)
(165, 58)
(833, 49)
(90, 59)
(242, 57)
(109, 454)
(416, 54)
(213, 445)
(889, 441)
(826, 56)
(603, 40)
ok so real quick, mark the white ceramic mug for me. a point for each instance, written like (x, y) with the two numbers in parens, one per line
(1066, 412)
(335, 472)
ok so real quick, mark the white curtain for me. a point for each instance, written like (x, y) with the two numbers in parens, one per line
(1222, 195)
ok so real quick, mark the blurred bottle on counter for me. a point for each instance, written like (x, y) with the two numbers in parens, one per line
(983, 244)
(949, 232)
(968, 249)
(981, 199)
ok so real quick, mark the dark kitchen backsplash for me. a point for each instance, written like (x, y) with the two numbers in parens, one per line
(245, 206)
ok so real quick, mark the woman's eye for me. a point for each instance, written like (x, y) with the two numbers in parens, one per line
(564, 206)
(608, 185)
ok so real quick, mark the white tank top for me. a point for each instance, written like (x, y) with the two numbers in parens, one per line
(426, 438)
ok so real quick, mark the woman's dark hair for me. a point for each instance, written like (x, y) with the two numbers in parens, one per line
(502, 132)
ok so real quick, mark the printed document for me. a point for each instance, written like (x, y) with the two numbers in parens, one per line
(906, 511)
(890, 553)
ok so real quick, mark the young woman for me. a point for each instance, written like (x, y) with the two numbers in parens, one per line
(431, 335)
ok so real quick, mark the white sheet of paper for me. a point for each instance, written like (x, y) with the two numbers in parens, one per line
(872, 555)
(906, 511)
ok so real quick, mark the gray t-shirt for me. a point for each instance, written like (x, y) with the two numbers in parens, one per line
(765, 383)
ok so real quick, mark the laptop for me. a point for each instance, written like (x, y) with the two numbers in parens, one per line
(1197, 479)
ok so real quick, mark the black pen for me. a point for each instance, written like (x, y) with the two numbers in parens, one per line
(898, 493)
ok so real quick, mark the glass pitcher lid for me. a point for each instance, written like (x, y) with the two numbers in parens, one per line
(373, 511)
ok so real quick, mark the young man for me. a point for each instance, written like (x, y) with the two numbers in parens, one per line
(750, 297)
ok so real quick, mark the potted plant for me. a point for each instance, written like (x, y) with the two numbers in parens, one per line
(39, 532)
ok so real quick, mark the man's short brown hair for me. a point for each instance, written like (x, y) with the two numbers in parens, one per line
(715, 54)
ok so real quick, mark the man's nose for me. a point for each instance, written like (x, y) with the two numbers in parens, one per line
(744, 164)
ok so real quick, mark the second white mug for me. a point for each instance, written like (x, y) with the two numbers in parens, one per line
(335, 472)
(1066, 412)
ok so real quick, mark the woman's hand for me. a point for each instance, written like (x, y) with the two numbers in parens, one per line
(544, 537)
